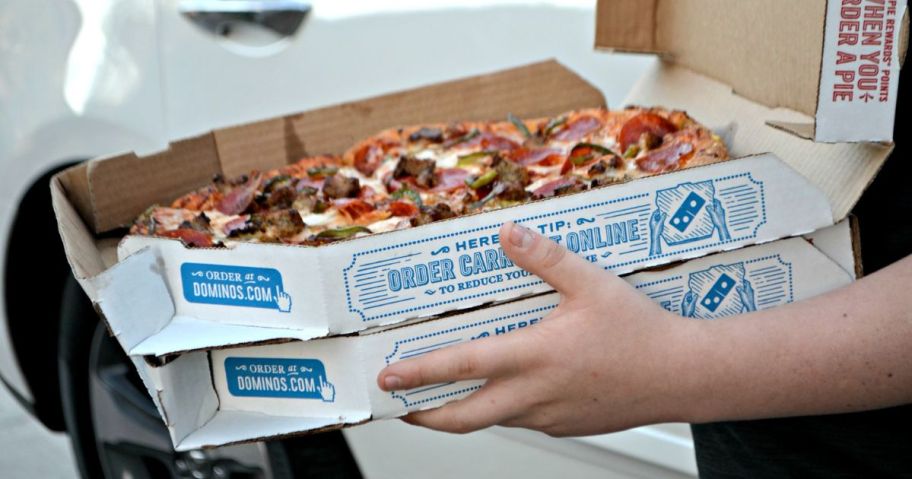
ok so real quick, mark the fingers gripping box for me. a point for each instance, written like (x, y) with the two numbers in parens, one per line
(230, 395)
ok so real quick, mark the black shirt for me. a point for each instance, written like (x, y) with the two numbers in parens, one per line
(867, 444)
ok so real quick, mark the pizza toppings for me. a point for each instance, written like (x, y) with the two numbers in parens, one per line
(419, 171)
(433, 135)
(239, 198)
(667, 158)
(645, 130)
(341, 186)
(412, 176)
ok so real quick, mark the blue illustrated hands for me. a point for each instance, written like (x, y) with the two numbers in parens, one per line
(656, 226)
(327, 391)
(689, 305)
(746, 292)
(717, 215)
(283, 301)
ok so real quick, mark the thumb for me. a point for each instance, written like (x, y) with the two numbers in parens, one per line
(568, 273)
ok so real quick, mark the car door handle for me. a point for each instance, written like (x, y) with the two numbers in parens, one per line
(281, 16)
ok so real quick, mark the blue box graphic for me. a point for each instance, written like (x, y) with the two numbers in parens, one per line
(234, 286)
(684, 206)
(278, 378)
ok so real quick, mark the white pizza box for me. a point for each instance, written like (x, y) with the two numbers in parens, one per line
(202, 298)
(299, 293)
(834, 62)
(217, 397)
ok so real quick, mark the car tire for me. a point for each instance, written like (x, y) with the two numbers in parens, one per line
(116, 431)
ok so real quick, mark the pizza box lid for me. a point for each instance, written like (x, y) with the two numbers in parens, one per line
(837, 63)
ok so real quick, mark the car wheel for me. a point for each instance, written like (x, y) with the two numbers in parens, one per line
(117, 431)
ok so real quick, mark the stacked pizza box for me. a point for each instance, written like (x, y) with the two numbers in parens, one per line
(298, 343)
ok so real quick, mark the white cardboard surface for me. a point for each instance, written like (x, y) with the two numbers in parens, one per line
(315, 384)
(859, 77)
(233, 295)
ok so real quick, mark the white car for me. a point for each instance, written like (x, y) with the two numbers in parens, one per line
(83, 78)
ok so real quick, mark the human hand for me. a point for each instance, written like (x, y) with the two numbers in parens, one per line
(656, 226)
(746, 292)
(606, 359)
(717, 216)
(689, 304)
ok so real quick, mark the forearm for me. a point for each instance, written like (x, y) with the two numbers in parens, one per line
(849, 350)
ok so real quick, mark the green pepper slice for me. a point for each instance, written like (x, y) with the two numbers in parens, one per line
(407, 193)
(321, 171)
(519, 125)
(482, 180)
(472, 158)
(342, 233)
(582, 153)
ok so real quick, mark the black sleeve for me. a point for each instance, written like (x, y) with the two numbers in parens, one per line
(885, 210)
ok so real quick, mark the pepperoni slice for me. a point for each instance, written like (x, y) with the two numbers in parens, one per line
(450, 179)
(190, 237)
(669, 157)
(371, 155)
(240, 197)
(353, 208)
(489, 141)
(644, 123)
(235, 225)
(403, 208)
(535, 156)
(579, 128)
(550, 187)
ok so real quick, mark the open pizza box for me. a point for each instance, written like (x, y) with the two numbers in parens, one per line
(834, 62)
(159, 297)
(224, 396)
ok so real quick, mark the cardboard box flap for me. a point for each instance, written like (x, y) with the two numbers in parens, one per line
(228, 427)
(82, 252)
(190, 402)
(115, 190)
(134, 284)
(186, 334)
(805, 56)
(841, 171)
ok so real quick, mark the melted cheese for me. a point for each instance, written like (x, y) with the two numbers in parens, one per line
(328, 219)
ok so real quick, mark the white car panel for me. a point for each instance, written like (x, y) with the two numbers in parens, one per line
(61, 98)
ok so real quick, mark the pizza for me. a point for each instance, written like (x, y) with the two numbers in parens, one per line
(411, 176)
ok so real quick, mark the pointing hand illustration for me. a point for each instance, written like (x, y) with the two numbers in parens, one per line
(327, 391)
(283, 300)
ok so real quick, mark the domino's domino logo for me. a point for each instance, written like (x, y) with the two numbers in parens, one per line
(722, 290)
(684, 207)
(718, 292)
(234, 286)
(686, 213)
(278, 378)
